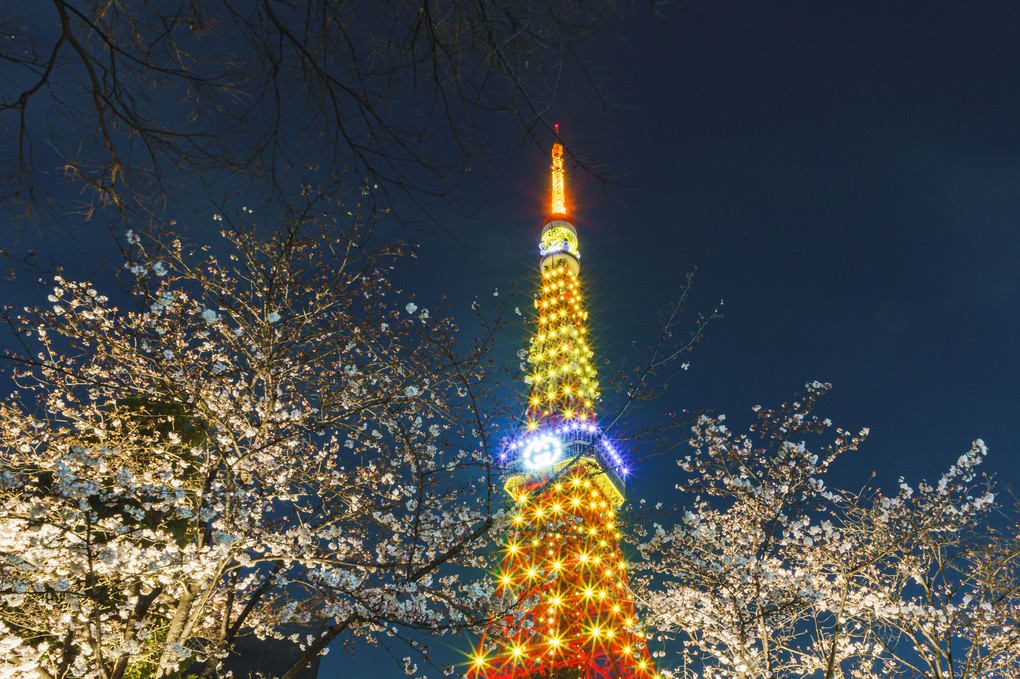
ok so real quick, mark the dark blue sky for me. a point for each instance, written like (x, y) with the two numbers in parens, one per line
(846, 176)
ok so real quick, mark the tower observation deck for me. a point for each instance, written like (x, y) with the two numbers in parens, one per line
(562, 569)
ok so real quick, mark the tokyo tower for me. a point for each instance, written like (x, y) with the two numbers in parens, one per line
(562, 566)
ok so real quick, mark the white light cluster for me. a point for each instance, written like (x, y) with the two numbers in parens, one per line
(550, 248)
(542, 451)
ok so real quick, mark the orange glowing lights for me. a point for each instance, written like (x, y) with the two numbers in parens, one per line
(559, 199)
(555, 555)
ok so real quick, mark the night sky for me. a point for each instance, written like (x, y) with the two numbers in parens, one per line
(845, 176)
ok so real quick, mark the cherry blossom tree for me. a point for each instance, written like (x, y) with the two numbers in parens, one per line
(740, 579)
(773, 574)
(272, 435)
(944, 598)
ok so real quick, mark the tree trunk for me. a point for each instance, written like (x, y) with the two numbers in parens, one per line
(176, 628)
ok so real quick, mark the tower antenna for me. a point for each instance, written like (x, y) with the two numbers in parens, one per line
(559, 199)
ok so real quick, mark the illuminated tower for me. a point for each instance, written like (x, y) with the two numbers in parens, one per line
(562, 566)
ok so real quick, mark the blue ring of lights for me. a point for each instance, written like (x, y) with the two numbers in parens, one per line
(568, 432)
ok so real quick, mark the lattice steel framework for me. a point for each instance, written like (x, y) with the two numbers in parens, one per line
(562, 566)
